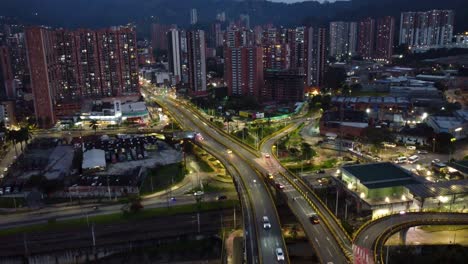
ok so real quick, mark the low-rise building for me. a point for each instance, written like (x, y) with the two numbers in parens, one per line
(386, 188)
(347, 123)
(456, 125)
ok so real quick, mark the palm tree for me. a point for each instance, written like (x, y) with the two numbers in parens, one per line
(93, 124)
(25, 134)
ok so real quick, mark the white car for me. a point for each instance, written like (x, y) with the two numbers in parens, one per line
(267, 155)
(229, 151)
(266, 222)
(279, 254)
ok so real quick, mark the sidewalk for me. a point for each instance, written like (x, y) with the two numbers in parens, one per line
(233, 250)
(10, 156)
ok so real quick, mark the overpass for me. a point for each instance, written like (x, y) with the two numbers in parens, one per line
(260, 244)
(323, 237)
(369, 239)
(327, 237)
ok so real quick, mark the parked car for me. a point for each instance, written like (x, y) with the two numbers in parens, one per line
(321, 171)
(422, 152)
(280, 186)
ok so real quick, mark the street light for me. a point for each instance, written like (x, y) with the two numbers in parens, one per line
(452, 140)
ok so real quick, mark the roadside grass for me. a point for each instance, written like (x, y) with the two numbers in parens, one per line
(162, 177)
(327, 164)
(204, 166)
(121, 217)
(10, 202)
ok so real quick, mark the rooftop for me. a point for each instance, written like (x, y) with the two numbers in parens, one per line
(441, 188)
(446, 122)
(460, 165)
(379, 175)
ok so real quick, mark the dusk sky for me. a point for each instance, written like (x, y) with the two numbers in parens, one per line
(295, 1)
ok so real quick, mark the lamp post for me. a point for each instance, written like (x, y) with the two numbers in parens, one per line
(452, 140)
(433, 144)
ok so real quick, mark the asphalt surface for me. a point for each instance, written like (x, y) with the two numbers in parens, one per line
(369, 235)
(319, 235)
(267, 240)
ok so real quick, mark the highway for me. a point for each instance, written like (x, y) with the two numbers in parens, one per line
(321, 236)
(262, 203)
(371, 237)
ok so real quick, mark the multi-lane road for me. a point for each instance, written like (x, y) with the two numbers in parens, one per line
(330, 249)
(323, 240)
(378, 231)
(329, 239)
(265, 240)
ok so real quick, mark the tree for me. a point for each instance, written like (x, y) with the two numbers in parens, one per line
(294, 231)
(13, 137)
(443, 143)
(93, 124)
(334, 77)
(24, 135)
(376, 136)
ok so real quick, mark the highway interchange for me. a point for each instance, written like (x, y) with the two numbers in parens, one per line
(330, 241)
(324, 242)
(249, 167)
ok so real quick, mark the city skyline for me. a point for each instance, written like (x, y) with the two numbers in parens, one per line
(233, 131)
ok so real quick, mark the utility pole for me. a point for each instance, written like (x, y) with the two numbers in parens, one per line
(108, 188)
(25, 245)
(94, 237)
(336, 206)
(234, 217)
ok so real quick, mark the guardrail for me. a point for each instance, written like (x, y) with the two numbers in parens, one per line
(384, 236)
(213, 153)
(195, 112)
(253, 168)
(385, 216)
(244, 186)
(347, 253)
(316, 197)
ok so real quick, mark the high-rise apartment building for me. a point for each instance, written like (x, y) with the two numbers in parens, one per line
(316, 56)
(6, 75)
(69, 66)
(284, 85)
(196, 61)
(193, 16)
(353, 38)
(159, 36)
(297, 39)
(276, 56)
(174, 54)
(244, 70)
(343, 39)
(427, 29)
(366, 38)
(17, 47)
(384, 38)
(339, 39)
